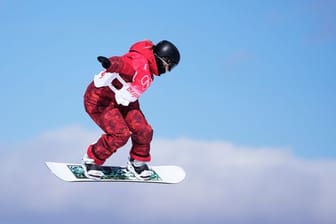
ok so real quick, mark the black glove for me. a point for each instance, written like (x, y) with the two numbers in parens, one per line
(104, 61)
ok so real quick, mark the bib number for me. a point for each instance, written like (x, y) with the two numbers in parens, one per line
(125, 95)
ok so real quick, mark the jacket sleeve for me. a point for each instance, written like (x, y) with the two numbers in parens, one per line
(119, 65)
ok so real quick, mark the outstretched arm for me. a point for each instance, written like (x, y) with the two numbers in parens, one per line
(116, 64)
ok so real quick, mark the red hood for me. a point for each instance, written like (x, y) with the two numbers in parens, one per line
(145, 48)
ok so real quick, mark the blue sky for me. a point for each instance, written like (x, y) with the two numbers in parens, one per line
(252, 72)
(259, 75)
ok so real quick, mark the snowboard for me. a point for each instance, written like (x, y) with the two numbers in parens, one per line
(73, 172)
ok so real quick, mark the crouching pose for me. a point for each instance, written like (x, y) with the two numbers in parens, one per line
(111, 100)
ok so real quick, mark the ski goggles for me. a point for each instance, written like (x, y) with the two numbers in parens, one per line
(168, 64)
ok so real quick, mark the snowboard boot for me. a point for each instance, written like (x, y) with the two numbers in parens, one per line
(140, 169)
(91, 170)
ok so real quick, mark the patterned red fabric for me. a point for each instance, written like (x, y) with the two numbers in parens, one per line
(118, 122)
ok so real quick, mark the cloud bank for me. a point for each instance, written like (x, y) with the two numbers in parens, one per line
(225, 183)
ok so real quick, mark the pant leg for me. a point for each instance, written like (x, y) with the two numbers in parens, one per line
(111, 121)
(142, 134)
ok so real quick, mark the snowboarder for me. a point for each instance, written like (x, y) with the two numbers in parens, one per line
(111, 100)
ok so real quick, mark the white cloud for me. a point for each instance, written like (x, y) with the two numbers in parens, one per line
(224, 183)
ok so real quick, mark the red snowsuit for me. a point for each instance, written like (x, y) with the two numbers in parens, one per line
(119, 122)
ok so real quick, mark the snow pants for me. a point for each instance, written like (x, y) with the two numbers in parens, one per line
(119, 124)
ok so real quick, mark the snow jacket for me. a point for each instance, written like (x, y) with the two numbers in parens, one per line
(128, 76)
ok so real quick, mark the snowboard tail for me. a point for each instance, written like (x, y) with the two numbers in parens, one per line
(72, 172)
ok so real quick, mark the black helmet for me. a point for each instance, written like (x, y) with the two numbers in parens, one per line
(166, 55)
